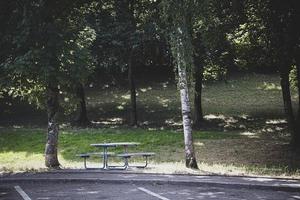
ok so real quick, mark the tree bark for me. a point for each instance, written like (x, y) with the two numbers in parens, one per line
(82, 119)
(198, 97)
(181, 46)
(190, 157)
(184, 59)
(51, 159)
(297, 137)
(125, 16)
(133, 110)
(288, 108)
(298, 84)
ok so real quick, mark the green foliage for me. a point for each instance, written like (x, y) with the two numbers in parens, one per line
(47, 47)
(210, 25)
(175, 15)
(293, 77)
(123, 26)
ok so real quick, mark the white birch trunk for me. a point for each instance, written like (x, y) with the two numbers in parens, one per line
(190, 157)
(186, 119)
(176, 13)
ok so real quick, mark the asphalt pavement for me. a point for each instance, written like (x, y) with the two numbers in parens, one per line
(84, 184)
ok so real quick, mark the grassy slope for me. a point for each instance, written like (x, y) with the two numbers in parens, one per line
(257, 96)
(248, 108)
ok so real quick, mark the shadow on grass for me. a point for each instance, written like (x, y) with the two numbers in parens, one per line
(223, 148)
(243, 136)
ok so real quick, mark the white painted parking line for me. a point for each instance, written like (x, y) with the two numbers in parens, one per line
(152, 193)
(22, 193)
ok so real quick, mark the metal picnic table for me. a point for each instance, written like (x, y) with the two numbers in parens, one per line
(105, 147)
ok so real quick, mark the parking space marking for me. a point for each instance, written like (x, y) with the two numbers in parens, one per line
(22, 193)
(152, 193)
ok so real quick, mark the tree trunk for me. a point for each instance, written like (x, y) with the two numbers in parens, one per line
(51, 160)
(288, 108)
(133, 112)
(298, 83)
(190, 157)
(197, 98)
(181, 46)
(297, 136)
(184, 59)
(82, 119)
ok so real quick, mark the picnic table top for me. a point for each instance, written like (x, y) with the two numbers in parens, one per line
(114, 144)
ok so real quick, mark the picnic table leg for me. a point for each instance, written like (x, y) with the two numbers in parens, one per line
(104, 157)
(126, 159)
(141, 166)
(85, 163)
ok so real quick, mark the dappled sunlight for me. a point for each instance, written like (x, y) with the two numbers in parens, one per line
(269, 86)
(172, 122)
(249, 134)
(145, 89)
(17, 126)
(231, 120)
(109, 121)
(125, 96)
(117, 96)
(163, 101)
(251, 130)
(105, 86)
(120, 107)
(153, 129)
(245, 117)
(212, 116)
(198, 143)
(246, 123)
(64, 125)
(276, 121)
(165, 84)
(145, 123)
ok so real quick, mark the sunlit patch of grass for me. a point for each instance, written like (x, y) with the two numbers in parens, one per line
(248, 108)
(23, 148)
(21, 161)
(269, 86)
(217, 152)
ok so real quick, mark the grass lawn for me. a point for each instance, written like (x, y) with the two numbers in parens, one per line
(217, 152)
(244, 133)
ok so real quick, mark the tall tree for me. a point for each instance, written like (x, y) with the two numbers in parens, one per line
(126, 21)
(46, 46)
(211, 22)
(175, 14)
(282, 22)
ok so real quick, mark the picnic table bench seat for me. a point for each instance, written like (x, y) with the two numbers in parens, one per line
(129, 155)
(126, 156)
(88, 155)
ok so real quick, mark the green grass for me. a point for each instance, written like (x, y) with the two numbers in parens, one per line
(245, 131)
(72, 142)
(218, 152)
(158, 103)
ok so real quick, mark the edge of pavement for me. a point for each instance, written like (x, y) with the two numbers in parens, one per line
(122, 177)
